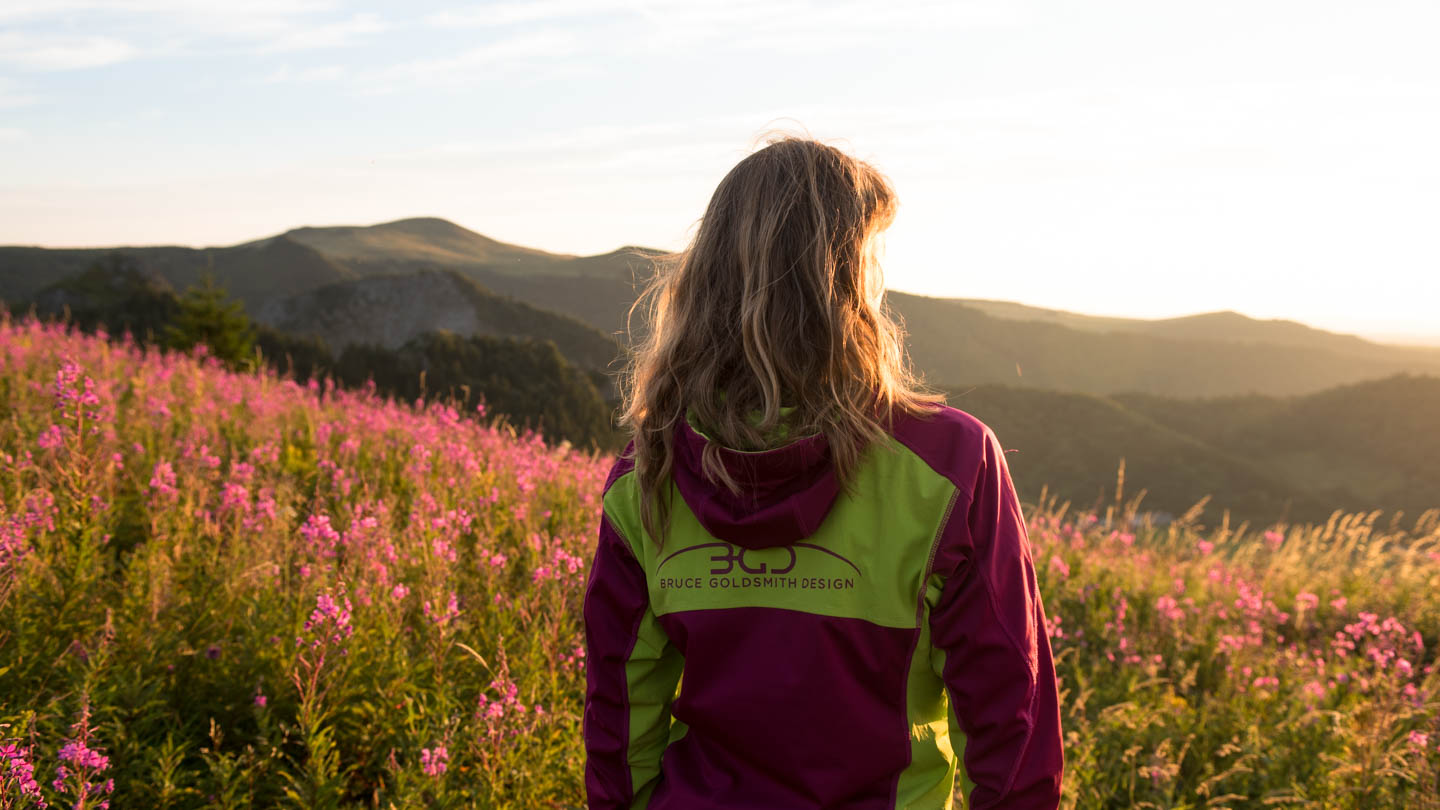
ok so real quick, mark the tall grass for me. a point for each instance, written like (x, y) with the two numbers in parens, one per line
(227, 590)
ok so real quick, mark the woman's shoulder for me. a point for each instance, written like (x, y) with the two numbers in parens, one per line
(952, 442)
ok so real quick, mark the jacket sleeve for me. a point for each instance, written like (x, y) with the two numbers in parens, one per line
(631, 673)
(990, 648)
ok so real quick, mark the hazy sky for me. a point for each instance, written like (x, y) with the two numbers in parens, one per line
(1142, 158)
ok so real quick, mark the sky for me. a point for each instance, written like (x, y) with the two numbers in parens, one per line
(1114, 157)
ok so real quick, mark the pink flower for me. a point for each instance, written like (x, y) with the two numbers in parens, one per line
(433, 760)
(52, 438)
(17, 769)
(1060, 566)
(162, 480)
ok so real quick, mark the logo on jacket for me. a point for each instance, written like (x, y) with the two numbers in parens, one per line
(727, 557)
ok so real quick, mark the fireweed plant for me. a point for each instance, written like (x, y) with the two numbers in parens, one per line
(230, 590)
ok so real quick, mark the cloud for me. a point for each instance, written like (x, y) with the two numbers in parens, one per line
(587, 32)
(497, 14)
(33, 51)
(303, 37)
(538, 48)
(32, 10)
(321, 73)
(787, 24)
(100, 31)
(12, 97)
(9, 134)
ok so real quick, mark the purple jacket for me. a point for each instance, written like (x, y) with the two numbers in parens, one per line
(838, 649)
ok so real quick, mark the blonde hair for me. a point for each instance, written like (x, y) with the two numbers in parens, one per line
(776, 302)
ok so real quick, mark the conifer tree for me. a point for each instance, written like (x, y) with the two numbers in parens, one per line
(208, 315)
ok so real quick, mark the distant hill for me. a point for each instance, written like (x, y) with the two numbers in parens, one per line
(955, 345)
(391, 310)
(1226, 326)
(253, 272)
(1377, 442)
(423, 239)
(594, 289)
(1363, 446)
(954, 342)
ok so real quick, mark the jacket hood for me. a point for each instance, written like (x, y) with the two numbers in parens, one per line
(785, 492)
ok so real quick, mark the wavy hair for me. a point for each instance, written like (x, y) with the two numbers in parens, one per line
(777, 302)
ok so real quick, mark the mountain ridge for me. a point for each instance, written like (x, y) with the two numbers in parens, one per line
(954, 341)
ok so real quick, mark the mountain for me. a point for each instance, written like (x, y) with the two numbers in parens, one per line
(1375, 443)
(1371, 445)
(1226, 326)
(253, 272)
(428, 241)
(954, 342)
(391, 310)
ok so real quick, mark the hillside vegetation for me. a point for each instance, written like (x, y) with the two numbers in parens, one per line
(231, 590)
(524, 378)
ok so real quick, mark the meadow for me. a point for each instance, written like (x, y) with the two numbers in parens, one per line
(231, 590)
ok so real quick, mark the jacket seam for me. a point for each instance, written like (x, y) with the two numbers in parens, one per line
(960, 485)
(915, 643)
(629, 653)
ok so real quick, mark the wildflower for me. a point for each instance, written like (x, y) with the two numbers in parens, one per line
(329, 622)
(452, 609)
(162, 480)
(1205, 547)
(16, 769)
(52, 438)
(433, 760)
(1060, 566)
(80, 767)
(1419, 739)
(1169, 608)
(1274, 539)
(322, 538)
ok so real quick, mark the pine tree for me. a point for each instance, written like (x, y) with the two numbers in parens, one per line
(208, 315)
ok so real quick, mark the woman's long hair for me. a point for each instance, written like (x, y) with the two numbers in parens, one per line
(776, 302)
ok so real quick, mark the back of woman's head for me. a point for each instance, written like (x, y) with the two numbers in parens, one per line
(777, 302)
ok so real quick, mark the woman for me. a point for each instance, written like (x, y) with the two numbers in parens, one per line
(833, 560)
